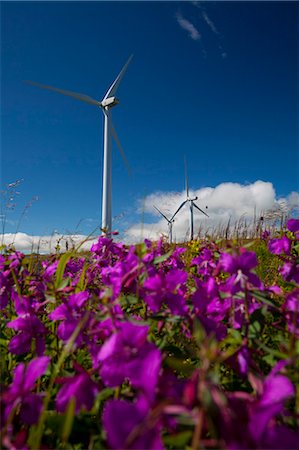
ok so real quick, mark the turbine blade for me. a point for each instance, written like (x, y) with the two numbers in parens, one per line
(178, 209)
(78, 96)
(162, 214)
(114, 86)
(115, 137)
(194, 204)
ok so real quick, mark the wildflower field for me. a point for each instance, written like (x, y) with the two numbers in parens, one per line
(152, 346)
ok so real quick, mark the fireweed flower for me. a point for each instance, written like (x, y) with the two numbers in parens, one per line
(80, 387)
(240, 268)
(240, 361)
(257, 427)
(276, 390)
(19, 392)
(106, 252)
(289, 271)
(166, 288)
(175, 261)
(278, 246)
(205, 262)
(6, 285)
(50, 270)
(293, 226)
(71, 312)
(15, 260)
(129, 425)
(128, 355)
(291, 309)
(73, 269)
(122, 275)
(30, 328)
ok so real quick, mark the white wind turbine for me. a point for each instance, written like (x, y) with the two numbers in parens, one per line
(108, 102)
(169, 222)
(192, 204)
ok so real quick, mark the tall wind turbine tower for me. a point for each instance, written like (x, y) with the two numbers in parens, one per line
(106, 104)
(192, 205)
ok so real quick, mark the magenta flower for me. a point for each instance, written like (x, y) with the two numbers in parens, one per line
(129, 425)
(293, 226)
(107, 252)
(205, 262)
(50, 270)
(15, 260)
(71, 312)
(291, 308)
(240, 268)
(121, 276)
(275, 391)
(278, 246)
(128, 355)
(5, 288)
(19, 392)
(290, 271)
(166, 288)
(30, 328)
(256, 418)
(80, 387)
(240, 361)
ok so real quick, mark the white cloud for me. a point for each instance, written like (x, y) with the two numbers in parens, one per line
(188, 26)
(227, 201)
(210, 23)
(45, 244)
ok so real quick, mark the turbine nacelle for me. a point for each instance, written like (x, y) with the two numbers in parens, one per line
(109, 102)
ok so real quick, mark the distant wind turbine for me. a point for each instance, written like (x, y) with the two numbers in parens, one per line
(170, 223)
(191, 201)
(108, 102)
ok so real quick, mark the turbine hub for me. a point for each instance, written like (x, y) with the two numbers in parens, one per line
(109, 102)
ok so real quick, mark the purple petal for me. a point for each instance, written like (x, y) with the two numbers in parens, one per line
(175, 278)
(276, 390)
(278, 246)
(123, 419)
(35, 369)
(78, 300)
(293, 225)
(21, 343)
(143, 372)
(108, 348)
(59, 313)
(248, 260)
(228, 263)
(134, 335)
(154, 283)
(80, 387)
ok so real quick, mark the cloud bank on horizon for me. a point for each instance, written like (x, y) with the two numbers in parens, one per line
(47, 244)
(227, 202)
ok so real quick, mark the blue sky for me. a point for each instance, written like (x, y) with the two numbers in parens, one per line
(214, 81)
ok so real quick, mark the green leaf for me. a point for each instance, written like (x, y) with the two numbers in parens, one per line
(262, 298)
(63, 283)
(69, 419)
(162, 258)
(178, 440)
(181, 365)
(61, 267)
(254, 330)
(81, 285)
